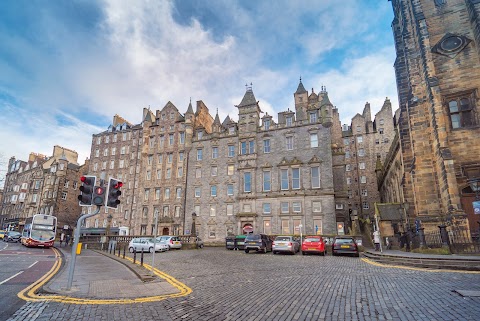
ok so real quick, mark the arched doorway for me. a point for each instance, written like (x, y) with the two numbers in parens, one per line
(165, 231)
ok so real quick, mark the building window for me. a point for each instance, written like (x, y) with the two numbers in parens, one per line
(316, 206)
(361, 165)
(359, 139)
(199, 154)
(289, 142)
(179, 192)
(165, 211)
(295, 178)
(177, 211)
(170, 139)
(381, 121)
(285, 226)
(230, 170)
(160, 158)
(349, 180)
(169, 173)
(167, 193)
(363, 179)
(266, 181)
(229, 209)
(112, 164)
(231, 150)
(169, 158)
(213, 210)
(247, 182)
(313, 117)
(313, 140)
(251, 145)
(346, 141)
(213, 191)
(266, 124)
(180, 172)
(297, 207)
(182, 138)
(230, 189)
(364, 192)
(157, 193)
(284, 179)
(347, 154)
(359, 129)
(289, 120)
(284, 207)
(315, 174)
(214, 170)
(348, 168)
(146, 194)
(361, 152)
(198, 172)
(64, 195)
(200, 134)
(215, 152)
(180, 156)
(243, 148)
(365, 205)
(267, 208)
(198, 192)
(380, 131)
(266, 145)
(148, 176)
(159, 174)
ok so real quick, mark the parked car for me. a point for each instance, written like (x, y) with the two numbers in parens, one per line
(314, 244)
(199, 242)
(345, 245)
(12, 236)
(146, 245)
(2, 233)
(258, 242)
(173, 242)
(285, 244)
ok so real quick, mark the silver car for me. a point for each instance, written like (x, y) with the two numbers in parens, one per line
(285, 244)
(146, 245)
(173, 242)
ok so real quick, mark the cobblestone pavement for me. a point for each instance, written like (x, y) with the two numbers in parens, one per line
(232, 285)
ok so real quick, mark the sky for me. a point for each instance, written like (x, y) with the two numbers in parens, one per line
(67, 67)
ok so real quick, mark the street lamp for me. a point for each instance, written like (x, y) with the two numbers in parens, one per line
(301, 236)
(194, 231)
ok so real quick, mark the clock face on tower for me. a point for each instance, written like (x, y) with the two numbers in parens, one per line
(450, 45)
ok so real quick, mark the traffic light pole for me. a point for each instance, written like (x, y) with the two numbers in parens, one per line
(76, 239)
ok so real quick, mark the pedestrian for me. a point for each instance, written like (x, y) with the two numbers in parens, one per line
(67, 239)
(376, 240)
(62, 238)
(403, 240)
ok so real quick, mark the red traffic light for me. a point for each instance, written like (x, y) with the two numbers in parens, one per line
(87, 180)
(99, 190)
(118, 185)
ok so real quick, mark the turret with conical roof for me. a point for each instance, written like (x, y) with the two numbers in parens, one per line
(248, 112)
(301, 101)
(217, 125)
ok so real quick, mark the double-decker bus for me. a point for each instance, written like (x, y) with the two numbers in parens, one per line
(39, 230)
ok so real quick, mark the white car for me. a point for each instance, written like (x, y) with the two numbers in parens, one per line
(173, 242)
(146, 245)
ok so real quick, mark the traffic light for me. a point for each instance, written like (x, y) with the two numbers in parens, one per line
(86, 196)
(98, 196)
(113, 193)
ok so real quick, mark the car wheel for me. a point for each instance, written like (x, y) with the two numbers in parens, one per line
(246, 251)
(150, 249)
(357, 255)
(303, 253)
(131, 250)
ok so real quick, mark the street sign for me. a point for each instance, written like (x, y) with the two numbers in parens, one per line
(476, 207)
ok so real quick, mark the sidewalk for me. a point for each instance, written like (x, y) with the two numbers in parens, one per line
(99, 276)
(454, 261)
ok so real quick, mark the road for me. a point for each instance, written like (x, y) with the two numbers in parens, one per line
(232, 285)
(20, 267)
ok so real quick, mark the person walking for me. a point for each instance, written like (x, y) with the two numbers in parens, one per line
(67, 239)
(376, 240)
(62, 238)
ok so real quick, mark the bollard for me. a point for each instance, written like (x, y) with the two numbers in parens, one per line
(124, 247)
(134, 256)
(119, 251)
(141, 259)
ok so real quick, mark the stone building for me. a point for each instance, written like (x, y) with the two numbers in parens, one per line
(259, 175)
(438, 79)
(365, 143)
(42, 185)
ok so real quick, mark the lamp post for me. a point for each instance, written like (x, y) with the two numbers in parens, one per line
(301, 236)
(154, 242)
(194, 231)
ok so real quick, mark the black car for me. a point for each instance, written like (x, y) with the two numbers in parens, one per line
(345, 245)
(12, 236)
(258, 242)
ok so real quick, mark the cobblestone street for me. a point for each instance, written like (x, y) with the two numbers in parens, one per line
(232, 285)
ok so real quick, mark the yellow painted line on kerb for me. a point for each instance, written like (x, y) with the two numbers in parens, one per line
(417, 269)
(29, 293)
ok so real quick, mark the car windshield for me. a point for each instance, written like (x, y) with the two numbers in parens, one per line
(344, 241)
(253, 237)
(312, 239)
(282, 238)
(14, 233)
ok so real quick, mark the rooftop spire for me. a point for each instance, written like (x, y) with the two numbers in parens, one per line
(190, 108)
(300, 88)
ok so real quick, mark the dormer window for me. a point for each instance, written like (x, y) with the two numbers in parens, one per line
(231, 130)
(266, 124)
(313, 117)
(289, 120)
(200, 134)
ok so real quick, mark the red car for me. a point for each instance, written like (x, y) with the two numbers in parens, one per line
(313, 244)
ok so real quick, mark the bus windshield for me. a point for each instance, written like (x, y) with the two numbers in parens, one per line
(42, 235)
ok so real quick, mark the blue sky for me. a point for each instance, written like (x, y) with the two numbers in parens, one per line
(67, 67)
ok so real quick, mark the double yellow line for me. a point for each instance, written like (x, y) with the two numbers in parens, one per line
(30, 293)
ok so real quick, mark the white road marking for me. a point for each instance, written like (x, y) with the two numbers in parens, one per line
(11, 277)
(32, 264)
